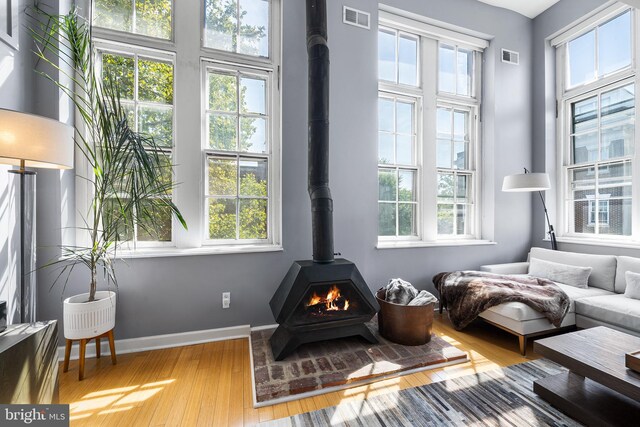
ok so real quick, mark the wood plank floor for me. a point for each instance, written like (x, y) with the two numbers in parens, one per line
(210, 384)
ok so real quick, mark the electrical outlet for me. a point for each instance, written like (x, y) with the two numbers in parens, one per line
(226, 299)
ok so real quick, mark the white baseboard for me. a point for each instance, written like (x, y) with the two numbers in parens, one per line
(156, 342)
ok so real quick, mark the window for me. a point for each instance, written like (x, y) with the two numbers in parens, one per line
(428, 131)
(217, 124)
(597, 120)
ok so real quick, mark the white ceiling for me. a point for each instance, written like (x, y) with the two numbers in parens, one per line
(530, 8)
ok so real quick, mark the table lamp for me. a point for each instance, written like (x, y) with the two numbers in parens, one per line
(529, 182)
(30, 141)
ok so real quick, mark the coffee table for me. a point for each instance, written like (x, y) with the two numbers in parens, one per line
(598, 390)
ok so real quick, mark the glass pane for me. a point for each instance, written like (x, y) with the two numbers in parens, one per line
(461, 220)
(115, 221)
(407, 186)
(253, 95)
(465, 72)
(447, 69)
(223, 177)
(404, 118)
(407, 219)
(585, 115)
(254, 28)
(155, 224)
(615, 217)
(446, 189)
(617, 141)
(166, 174)
(385, 148)
(618, 106)
(583, 178)
(386, 219)
(585, 147)
(114, 14)
(119, 71)
(222, 218)
(460, 127)
(155, 81)
(253, 135)
(581, 223)
(614, 44)
(385, 115)
(387, 185)
(404, 150)
(444, 123)
(223, 132)
(223, 92)
(408, 60)
(443, 153)
(614, 180)
(221, 24)
(253, 178)
(130, 111)
(386, 56)
(253, 219)
(460, 155)
(582, 62)
(153, 18)
(462, 187)
(445, 219)
(158, 123)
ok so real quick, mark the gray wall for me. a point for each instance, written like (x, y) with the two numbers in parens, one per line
(16, 83)
(168, 295)
(544, 130)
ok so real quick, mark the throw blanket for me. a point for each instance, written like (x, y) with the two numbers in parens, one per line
(466, 294)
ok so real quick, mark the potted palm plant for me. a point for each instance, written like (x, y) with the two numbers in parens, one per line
(129, 179)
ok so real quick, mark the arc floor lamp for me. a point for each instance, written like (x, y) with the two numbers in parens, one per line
(30, 141)
(530, 182)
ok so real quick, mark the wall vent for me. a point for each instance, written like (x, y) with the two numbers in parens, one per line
(510, 57)
(356, 17)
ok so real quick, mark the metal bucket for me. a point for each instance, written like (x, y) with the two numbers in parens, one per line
(404, 324)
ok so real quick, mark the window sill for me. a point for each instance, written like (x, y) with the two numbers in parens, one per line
(631, 244)
(441, 243)
(205, 250)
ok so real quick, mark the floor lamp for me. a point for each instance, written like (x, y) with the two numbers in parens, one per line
(530, 182)
(29, 141)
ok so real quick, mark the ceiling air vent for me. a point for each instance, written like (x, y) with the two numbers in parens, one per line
(510, 57)
(356, 17)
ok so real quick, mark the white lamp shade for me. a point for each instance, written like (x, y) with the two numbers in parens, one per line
(524, 182)
(38, 141)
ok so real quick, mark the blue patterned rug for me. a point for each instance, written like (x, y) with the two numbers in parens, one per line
(500, 397)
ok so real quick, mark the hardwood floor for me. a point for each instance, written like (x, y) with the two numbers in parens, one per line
(210, 384)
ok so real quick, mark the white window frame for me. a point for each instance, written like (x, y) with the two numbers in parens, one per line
(429, 37)
(566, 96)
(186, 46)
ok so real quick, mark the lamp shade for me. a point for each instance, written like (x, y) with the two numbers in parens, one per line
(37, 141)
(524, 182)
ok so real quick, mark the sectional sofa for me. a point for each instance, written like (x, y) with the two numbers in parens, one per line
(602, 303)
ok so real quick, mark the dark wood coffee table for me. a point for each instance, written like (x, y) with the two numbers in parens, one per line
(598, 390)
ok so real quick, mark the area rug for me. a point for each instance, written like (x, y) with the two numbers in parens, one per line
(337, 364)
(501, 397)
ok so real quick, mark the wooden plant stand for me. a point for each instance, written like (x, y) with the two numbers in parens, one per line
(83, 348)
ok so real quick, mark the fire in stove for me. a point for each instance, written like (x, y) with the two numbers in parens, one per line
(332, 301)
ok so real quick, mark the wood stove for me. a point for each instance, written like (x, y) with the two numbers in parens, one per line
(323, 298)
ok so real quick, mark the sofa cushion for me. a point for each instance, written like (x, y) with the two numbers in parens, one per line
(521, 312)
(625, 263)
(603, 266)
(633, 285)
(616, 309)
(563, 273)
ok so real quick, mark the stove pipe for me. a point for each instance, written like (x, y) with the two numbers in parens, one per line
(319, 192)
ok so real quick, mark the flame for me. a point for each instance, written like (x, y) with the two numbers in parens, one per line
(329, 300)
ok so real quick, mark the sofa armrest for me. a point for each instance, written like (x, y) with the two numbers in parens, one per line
(511, 268)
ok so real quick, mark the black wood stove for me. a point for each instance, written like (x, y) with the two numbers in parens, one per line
(323, 298)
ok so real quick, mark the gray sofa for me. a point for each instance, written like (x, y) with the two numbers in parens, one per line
(603, 303)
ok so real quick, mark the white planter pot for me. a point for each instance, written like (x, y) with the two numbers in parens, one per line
(84, 319)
